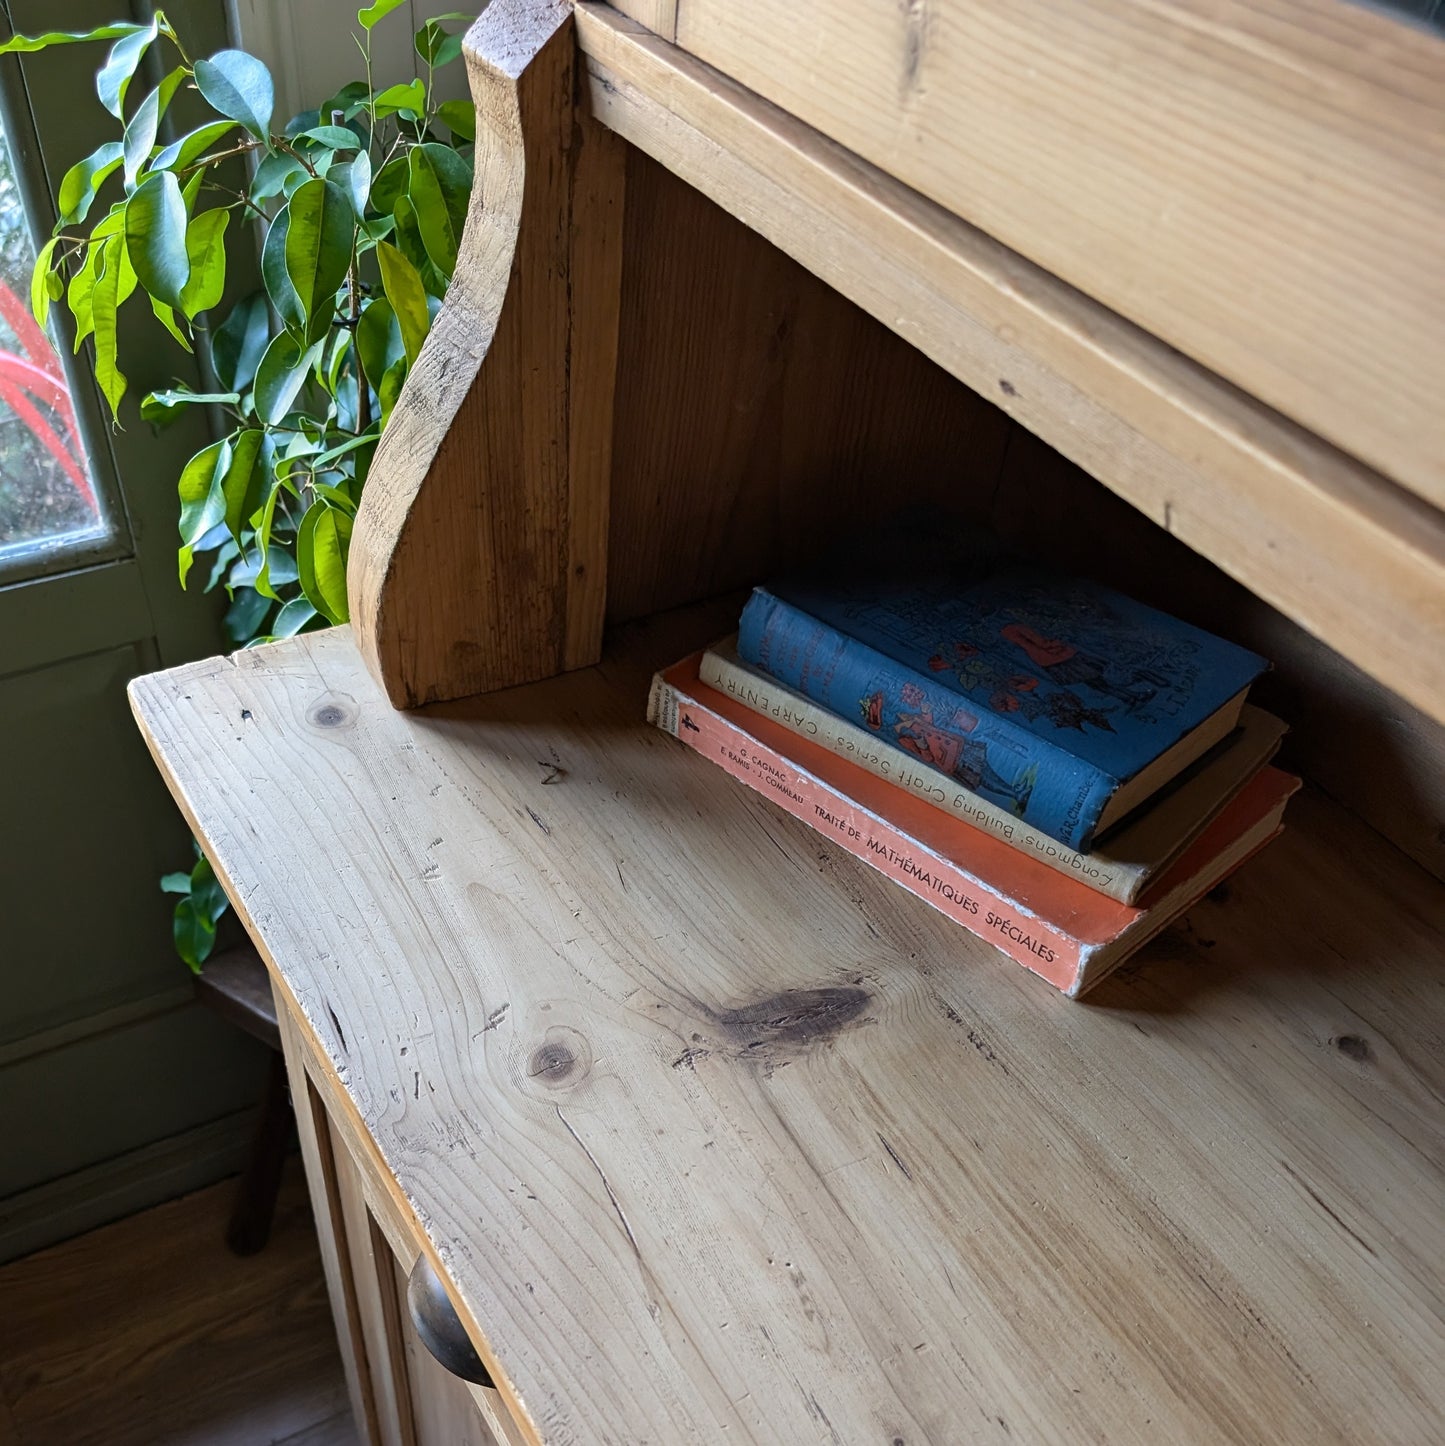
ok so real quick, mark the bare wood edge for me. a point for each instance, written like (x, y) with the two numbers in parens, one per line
(289, 1011)
(1353, 558)
(658, 16)
(542, 198)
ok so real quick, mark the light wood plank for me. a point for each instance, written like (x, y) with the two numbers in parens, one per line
(658, 16)
(493, 1412)
(1260, 183)
(319, 1160)
(1355, 560)
(378, 1315)
(677, 1195)
(494, 572)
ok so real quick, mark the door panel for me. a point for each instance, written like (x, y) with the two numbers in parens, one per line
(102, 1052)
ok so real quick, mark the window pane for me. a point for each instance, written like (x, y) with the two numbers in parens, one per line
(48, 496)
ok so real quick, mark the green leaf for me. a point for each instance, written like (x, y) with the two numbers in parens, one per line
(459, 117)
(167, 318)
(437, 46)
(184, 397)
(175, 883)
(243, 478)
(25, 44)
(351, 100)
(179, 154)
(378, 341)
(273, 173)
(322, 542)
(402, 284)
(81, 292)
(410, 97)
(40, 281)
(239, 343)
(440, 187)
(239, 86)
(104, 303)
(84, 179)
(354, 177)
(274, 274)
(192, 189)
(140, 136)
(113, 79)
(292, 618)
(155, 237)
(335, 138)
(281, 376)
(368, 16)
(203, 504)
(318, 250)
(194, 936)
(206, 250)
(246, 616)
(263, 545)
(335, 495)
(333, 454)
(390, 183)
(390, 388)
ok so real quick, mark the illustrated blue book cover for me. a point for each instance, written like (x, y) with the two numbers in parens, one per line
(1042, 693)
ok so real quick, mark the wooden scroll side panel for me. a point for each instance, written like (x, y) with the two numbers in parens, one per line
(479, 558)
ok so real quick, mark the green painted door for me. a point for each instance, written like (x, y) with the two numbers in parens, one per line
(115, 1088)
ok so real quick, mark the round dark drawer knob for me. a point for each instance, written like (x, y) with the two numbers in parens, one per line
(439, 1327)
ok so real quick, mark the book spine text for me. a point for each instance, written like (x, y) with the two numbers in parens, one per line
(987, 915)
(848, 740)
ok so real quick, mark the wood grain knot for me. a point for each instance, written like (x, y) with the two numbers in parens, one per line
(552, 1063)
(562, 1060)
(336, 710)
(1352, 1046)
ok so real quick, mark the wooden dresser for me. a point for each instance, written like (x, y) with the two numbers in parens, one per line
(687, 1125)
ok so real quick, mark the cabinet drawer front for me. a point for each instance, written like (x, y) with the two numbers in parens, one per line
(1261, 183)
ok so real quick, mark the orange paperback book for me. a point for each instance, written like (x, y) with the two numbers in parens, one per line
(1059, 928)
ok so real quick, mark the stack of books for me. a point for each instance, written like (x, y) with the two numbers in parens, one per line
(1058, 768)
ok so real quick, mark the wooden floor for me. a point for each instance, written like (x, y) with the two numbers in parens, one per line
(150, 1331)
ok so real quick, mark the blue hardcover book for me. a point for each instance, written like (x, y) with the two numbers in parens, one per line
(1051, 696)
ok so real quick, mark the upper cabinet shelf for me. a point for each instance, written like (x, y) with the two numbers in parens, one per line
(1355, 557)
(1260, 183)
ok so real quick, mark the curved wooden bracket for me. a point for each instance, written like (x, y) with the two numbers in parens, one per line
(479, 557)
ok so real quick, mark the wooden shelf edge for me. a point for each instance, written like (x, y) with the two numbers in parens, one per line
(1355, 559)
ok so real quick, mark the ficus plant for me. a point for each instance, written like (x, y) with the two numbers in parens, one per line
(358, 206)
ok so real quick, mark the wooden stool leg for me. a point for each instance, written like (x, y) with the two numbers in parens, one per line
(255, 1203)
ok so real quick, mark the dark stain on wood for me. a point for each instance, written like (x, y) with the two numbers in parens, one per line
(795, 1020)
(915, 39)
(336, 1025)
(1324, 1205)
(1352, 1046)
